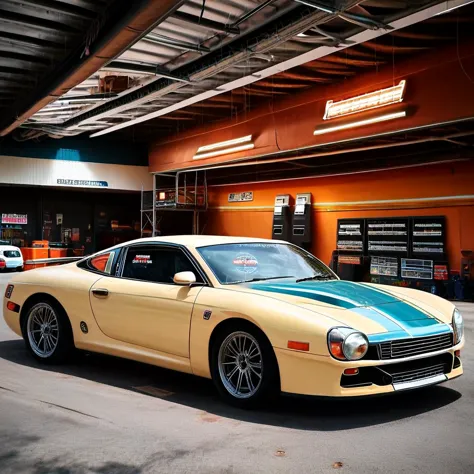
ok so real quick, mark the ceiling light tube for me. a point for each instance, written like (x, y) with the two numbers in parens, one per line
(235, 141)
(360, 123)
(224, 151)
(369, 101)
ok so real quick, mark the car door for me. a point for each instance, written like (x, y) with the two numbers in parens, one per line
(141, 305)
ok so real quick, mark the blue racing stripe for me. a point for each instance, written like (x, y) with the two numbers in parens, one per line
(399, 318)
(386, 323)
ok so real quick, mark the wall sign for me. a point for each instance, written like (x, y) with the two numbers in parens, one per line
(241, 197)
(82, 182)
(15, 219)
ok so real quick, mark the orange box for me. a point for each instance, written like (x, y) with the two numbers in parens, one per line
(57, 253)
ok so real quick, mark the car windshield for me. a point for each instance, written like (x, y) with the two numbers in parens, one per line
(11, 253)
(244, 262)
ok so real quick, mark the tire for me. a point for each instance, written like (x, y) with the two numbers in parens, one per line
(47, 332)
(244, 367)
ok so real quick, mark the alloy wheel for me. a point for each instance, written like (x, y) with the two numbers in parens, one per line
(43, 330)
(240, 364)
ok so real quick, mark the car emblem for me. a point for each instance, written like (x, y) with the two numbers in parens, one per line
(84, 327)
(207, 314)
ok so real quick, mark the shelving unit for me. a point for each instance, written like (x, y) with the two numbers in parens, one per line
(177, 191)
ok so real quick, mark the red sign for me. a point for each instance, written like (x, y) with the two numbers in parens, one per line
(441, 272)
(15, 219)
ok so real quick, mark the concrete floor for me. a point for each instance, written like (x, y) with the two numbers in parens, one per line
(104, 415)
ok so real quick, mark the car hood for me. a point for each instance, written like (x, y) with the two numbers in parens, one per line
(377, 312)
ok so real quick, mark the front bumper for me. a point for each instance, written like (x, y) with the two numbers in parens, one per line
(308, 374)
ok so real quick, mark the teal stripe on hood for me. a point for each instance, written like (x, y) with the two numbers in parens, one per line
(398, 318)
(344, 294)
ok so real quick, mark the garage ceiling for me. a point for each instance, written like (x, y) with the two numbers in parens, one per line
(184, 69)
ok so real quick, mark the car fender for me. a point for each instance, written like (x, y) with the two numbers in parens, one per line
(279, 321)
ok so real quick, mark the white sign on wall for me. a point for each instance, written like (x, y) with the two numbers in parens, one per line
(77, 174)
(15, 219)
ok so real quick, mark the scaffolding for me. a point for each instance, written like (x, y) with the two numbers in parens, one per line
(174, 191)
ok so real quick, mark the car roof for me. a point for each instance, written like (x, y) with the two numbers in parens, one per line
(195, 241)
(8, 247)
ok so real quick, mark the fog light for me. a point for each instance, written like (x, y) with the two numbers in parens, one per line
(457, 353)
(351, 371)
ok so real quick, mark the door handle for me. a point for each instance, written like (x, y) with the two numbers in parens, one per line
(100, 292)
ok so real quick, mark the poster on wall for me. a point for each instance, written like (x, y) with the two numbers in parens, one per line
(21, 219)
(241, 197)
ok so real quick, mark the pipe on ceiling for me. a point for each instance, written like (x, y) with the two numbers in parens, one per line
(141, 18)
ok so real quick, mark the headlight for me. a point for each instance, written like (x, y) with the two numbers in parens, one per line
(347, 344)
(458, 326)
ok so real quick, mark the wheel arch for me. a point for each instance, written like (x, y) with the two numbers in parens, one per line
(38, 298)
(242, 322)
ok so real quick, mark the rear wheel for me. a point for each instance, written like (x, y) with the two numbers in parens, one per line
(47, 332)
(244, 367)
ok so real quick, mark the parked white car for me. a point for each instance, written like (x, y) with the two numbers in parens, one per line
(10, 258)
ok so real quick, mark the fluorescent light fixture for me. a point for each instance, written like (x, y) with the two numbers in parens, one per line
(360, 123)
(235, 141)
(224, 151)
(223, 148)
(369, 101)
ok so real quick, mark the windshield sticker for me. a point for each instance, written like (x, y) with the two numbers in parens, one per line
(245, 263)
(257, 245)
(142, 259)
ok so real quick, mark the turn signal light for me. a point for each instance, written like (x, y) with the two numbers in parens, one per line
(457, 353)
(298, 346)
(351, 371)
(336, 350)
(9, 291)
(11, 306)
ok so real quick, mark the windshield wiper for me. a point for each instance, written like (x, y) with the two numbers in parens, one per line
(262, 279)
(315, 277)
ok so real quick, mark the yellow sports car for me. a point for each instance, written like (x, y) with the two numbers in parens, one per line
(257, 316)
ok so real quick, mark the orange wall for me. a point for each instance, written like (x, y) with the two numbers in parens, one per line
(411, 192)
(437, 90)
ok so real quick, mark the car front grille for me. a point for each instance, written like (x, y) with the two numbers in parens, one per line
(416, 346)
(418, 374)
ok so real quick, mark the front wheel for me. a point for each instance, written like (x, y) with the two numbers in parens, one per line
(47, 333)
(244, 367)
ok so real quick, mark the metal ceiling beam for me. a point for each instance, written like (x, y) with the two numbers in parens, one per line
(251, 13)
(415, 16)
(29, 41)
(36, 22)
(126, 23)
(359, 20)
(146, 68)
(205, 23)
(59, 7)
(172, 43)
(29, 58)
(213, 64)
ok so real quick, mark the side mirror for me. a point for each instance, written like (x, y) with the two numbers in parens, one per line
(184, 278)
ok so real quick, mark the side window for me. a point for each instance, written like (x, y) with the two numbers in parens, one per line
(156, 264)
(102, 263)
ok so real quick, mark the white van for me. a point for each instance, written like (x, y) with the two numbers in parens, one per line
(10, 258)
